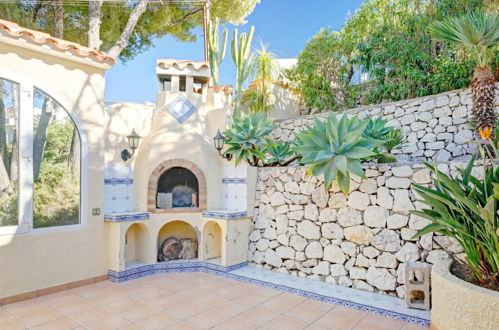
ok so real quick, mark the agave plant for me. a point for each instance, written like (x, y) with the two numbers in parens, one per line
(393, 140)
(465, 208)
(479, 33)
(376, 129)
(335, 148)
(281, 153)
(246, 137)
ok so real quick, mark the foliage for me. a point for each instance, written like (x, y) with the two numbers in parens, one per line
(280, 153)
(175, 18)
(246, 137)
(215, 53)
(56, 193)
(243, 59)
(392, 139)
(336, 148)
(389, 40)
(478, 32)
(323, 73)
(264, 71)
(465, 208)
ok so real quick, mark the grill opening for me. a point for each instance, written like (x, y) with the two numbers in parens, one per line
(177, 188)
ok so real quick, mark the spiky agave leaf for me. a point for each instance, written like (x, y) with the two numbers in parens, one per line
(246, 137)
(335, 149)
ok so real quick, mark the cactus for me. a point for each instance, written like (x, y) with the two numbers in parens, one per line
(216, 54)
(240, 50)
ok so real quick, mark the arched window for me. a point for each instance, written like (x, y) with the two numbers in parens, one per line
(40, 158)
(56, 164)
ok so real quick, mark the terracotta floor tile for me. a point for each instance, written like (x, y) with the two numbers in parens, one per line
(305, 312)
(139, 312)
(159, 321)
(181, 308)
(184, 325)
(284, 322)
(349, 312)
(111, 322)
(334, 322)
(231, 309)
(207, 319)
(71, 304)
(373, 321)
(234, 324)
(282, 303)
(210, 300)
(38, 316)
(60, 324)
(8, 321)
(91, 315)
(122, 305)
(257, 316)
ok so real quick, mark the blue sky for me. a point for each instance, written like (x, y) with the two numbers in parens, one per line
(284, 25)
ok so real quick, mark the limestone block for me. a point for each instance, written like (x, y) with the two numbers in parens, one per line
(297, 242)
(357, 273)
(381, 278)
(375, 216)
(308, 230)
(398, 183)
(327, 215)
(348, 217)
(272, 259)
(332, 231)
(384, 198)
(311, 212)
(277, 199)
(387, 240)
(334, 254)
(368, 186)
(320, 197)
(337, 201)
(358, 200)
(292, 187)
(370, 252)
(322, 268)
(409, 252)
(361, 285)
(285, 252)
(436, 255)
(314, 250)
(359, 234)
(386, 260)
(402, 203)
(396, 221)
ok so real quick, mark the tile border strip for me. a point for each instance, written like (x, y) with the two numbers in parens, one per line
(200, 266)
(126, 217)
(225, 215)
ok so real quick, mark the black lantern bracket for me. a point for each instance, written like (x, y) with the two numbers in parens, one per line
(133, 142)
(219, 141)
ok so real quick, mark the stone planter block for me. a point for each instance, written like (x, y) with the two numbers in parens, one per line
(417, 285)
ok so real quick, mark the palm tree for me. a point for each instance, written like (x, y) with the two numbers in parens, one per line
(264, 72)
(479, 33)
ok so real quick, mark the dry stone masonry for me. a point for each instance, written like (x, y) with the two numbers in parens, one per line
(436, 127)
(360, 240)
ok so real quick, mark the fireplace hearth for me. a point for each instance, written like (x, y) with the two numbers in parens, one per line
(177, 188)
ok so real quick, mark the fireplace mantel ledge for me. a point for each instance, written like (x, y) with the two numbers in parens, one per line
(225, 214)
(129, 216)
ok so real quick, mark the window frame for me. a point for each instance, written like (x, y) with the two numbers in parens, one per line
(27, 88)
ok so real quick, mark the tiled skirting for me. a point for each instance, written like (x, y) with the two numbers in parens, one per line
(228, 272)
(52, 289)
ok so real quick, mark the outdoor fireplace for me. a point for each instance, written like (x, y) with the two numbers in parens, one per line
(177, 188)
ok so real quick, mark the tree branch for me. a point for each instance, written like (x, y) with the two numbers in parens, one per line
(134, 17)
(94, 21)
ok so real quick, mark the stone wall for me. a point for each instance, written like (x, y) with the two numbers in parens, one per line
(358, 240)
(436, 126)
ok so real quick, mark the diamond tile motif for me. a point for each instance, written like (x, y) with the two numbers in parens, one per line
(181, 108)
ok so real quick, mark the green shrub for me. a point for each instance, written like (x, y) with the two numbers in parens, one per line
(465, 208)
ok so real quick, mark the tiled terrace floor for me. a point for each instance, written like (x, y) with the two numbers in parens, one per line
(184, 301)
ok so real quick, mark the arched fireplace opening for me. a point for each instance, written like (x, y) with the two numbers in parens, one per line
(178, 187)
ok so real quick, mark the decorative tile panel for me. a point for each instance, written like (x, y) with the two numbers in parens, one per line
(118, 189)
(181, 108)
(234, 188)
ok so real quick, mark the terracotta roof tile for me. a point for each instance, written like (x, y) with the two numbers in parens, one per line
(42, 38)
(182, 64)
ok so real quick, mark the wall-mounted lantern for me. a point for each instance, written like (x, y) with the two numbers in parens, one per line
(133, 142)
(219, 141)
